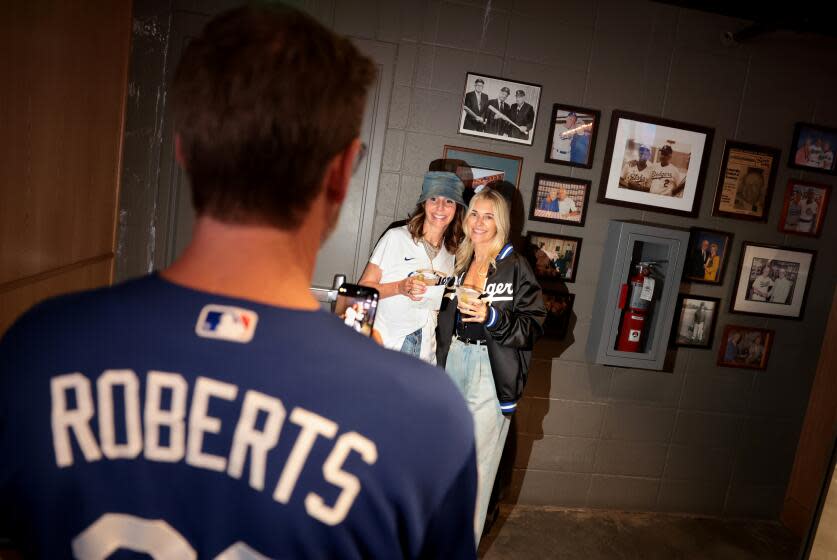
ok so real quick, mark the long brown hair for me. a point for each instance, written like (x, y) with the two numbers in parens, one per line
(453, 235)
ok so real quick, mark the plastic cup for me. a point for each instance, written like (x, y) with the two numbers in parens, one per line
(427, 277)
(467, 294)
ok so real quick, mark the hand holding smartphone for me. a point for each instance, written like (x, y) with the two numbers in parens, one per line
(356, 306)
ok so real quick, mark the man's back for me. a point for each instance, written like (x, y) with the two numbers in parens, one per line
(154, 414)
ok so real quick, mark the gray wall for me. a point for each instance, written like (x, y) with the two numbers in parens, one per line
(697, 438)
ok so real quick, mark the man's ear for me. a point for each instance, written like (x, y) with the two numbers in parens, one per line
(339, 172)
(179, 155)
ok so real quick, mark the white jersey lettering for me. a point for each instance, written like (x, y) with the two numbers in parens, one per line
(76, 420)
(200, 423)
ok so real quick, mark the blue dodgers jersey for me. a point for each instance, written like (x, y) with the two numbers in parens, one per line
(152, 418)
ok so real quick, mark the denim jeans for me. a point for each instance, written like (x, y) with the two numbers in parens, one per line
(412, 344)
(468, 366)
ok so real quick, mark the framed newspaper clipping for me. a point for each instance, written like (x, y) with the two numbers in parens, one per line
(745, 184)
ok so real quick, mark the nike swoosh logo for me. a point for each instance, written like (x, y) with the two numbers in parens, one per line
(409, 258)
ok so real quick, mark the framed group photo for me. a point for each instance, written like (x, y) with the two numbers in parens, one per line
(745, 184)
(499, 109)
(480, 167)
(804, 209)
(654, 164)
(745, 347)
(772, 281)
(559, 200)
(696, 316)
(559, 308)
(813, 147)
(572, 136)
(707, 256)
(554, 258)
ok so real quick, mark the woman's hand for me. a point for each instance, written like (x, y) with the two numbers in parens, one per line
(412, 288)
(473, 311)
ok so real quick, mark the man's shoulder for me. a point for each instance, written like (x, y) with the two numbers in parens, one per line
(75, 306)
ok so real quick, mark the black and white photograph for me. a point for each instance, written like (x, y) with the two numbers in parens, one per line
(772, 281)
(500, 109)
(572, 136)
(655, 164)
(745, 184)
(696, 317)
(554, 258)
(559, 308)
(559, 200)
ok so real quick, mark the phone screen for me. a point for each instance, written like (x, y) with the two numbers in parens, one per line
(356, 306)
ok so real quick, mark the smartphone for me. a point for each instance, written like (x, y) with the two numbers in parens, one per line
(356, 306)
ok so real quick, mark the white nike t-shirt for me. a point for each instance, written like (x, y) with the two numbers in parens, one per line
(398, 256)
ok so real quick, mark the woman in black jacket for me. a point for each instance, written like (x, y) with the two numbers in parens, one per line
(486, 344)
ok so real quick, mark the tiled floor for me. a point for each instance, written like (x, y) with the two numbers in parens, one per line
(541, 533)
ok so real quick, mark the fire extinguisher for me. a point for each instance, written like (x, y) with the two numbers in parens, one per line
(634, 314)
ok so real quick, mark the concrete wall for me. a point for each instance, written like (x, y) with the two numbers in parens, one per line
(697, 438)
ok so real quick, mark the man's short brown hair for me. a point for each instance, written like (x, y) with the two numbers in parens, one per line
(264, 98)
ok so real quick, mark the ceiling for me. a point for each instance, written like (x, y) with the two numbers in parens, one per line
(812, 17)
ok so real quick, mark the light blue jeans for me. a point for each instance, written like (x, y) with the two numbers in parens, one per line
(412, 344)
(468, 366)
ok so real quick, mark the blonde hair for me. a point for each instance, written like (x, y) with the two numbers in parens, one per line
(465, 252)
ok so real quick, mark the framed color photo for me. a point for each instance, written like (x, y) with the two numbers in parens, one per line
(554, 258)
(485, 167)
(813, 148)
(654, 164)
(745, 184)
(745, 347)
(804, 209)
(772, 281)
(696, 316)
(572, 136)
(560, 200)
(707, 256)
(559, 308)
(499, 109)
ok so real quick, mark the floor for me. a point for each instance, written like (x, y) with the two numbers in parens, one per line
(541, 533)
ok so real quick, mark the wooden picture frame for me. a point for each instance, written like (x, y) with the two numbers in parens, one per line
(746, 181)
(547, 204)
(655, 164)
(572, 143)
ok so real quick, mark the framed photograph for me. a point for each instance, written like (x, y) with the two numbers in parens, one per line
(696, 317)
(772, 281)
(813, 148)
(559, 308)
(804, 210)
(572, 136)
(745, 184)
(554, 258)
(745, 347)
(485, 167)
(707, 256)
(559, 200)
(499, 109)
(654, 164)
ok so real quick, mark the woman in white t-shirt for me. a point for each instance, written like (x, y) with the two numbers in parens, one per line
(429, 240)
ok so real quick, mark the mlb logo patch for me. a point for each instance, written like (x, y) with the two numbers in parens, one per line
(226, 323)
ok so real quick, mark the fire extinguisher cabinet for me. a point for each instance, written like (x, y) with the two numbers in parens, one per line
(629, 244)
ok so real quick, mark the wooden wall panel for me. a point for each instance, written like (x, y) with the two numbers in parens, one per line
(63, 66)
(815, 442)
(20, 297)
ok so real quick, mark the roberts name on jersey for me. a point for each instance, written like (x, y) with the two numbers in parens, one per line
(168, 434)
